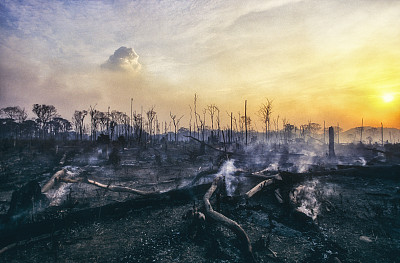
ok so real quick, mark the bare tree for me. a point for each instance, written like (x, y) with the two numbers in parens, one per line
(265, 112)
(212, 109)
(196, 115)
(175, 121)
(202, 124)
(103, 120)
(93, 121)
(190, 121)
(151, 114)
(137, 124)
(77, 120)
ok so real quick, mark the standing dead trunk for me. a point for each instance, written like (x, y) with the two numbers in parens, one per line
(331, 143)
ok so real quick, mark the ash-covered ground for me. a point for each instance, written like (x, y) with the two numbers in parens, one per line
(342, 209)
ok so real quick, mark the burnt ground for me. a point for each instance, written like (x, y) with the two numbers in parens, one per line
(356, 208)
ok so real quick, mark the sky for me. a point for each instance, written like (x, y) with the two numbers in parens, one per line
(335, 61)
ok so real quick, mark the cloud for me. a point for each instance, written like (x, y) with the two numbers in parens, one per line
(123, 59)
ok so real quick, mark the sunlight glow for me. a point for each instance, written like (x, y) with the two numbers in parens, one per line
(387, 97)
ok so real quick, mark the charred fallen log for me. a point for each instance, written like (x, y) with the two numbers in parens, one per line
(53, 180)
(57, 218)
(60, 176)
(229, 223)
(211, 147)
(258, 188)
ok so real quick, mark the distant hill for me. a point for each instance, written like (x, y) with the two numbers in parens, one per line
(370, 134)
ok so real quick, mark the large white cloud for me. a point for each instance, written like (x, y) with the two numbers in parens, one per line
(123, 59)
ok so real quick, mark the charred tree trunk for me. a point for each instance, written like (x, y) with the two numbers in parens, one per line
(331, 143)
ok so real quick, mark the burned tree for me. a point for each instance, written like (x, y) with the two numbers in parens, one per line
(77, 120)
(175, 121)
(151, 114)
(45, 113)
(15, 117)
(190, 121)
(93, 121)
(60, 126)
(15, 113)
(137, 125)
(265, 112)
(331, 143)
(195, 116)
(212, 109)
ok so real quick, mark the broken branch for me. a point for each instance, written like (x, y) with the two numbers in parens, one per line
(60, 177)
(53, 180)
(258, 188)
(229, 223)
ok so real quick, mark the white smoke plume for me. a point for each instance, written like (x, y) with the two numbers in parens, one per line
(231, 181)
(308, 196)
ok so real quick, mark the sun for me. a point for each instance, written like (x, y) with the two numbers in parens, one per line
(387, 97)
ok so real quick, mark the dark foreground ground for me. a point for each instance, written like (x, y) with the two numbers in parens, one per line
(356, 212)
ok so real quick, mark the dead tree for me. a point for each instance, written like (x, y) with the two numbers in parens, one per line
(190, 121)
(245, 118)
(265, 112)
(196, 116)
(77, 119)
(212, 109)
(93, 120)
(331, 143)
(151, 114)
(175, 121)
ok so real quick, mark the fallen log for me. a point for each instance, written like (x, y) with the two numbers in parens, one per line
(60, 177)
(53, 180)
(56, 218)
(262, 176)
(258, 188)
(229, 223)
(210, 146)
(115, 188)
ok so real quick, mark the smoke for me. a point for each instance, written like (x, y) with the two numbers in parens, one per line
(231, 182)
(308, 197)
(123, 59)
(58, 195)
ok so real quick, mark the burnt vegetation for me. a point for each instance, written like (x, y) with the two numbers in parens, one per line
(117, 187)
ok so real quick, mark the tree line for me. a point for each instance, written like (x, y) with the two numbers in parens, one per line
(145, 127)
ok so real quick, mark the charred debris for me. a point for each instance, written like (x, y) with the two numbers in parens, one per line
(286, 198)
